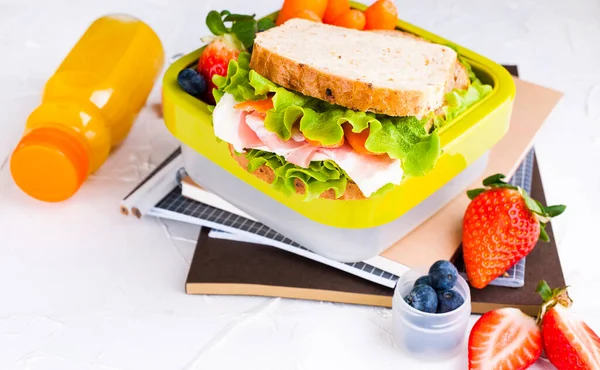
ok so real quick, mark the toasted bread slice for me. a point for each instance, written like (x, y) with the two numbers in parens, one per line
(266, 174)
(363, 71)
(460, 79)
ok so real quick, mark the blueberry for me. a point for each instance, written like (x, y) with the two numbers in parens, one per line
(191, 82)
(423, 280)
(423, 298)
(443, 275)
(449, 300)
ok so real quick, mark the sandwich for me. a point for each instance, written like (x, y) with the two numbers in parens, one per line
(341, 114)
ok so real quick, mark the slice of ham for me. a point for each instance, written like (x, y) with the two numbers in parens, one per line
(270, 139)
(303, 155)
(296, 152)
(369, 172)
(246, 134)
(246, 130)
(296, 134)
(230, 125)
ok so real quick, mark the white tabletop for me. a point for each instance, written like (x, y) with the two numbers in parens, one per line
(83, 287)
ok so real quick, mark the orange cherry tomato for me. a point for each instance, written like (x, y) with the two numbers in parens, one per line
(291, 7)
(382, 15)
(357, 139)
(335, 8)
(261, 106)
(309, 15)
(353, 18)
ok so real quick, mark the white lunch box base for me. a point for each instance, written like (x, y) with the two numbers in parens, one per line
(341, 244)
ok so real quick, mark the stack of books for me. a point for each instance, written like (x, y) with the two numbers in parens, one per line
(237, 254)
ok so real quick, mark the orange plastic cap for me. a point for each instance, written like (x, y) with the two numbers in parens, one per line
(50, 164)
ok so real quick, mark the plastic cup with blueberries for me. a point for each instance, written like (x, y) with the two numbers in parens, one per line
(431, 309)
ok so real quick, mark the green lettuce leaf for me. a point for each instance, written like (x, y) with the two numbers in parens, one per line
(458, 101)
(237, 81)
(405, 138)
(320, 176)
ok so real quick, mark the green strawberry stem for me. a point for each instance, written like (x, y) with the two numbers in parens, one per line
(545, 214)
(551, 298)
(243, 27)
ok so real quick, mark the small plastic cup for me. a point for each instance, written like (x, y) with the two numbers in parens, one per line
(429, 336)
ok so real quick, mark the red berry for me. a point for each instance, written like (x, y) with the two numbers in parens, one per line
(568, 342)
(500, 227)
(215, 60)
(504, 339)
(498, 231)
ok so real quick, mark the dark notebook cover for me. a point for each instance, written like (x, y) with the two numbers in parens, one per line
(225, 267)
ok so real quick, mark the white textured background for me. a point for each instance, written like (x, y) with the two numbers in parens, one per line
(82, 287)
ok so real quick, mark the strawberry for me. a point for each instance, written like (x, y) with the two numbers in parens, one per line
(501, 225)
(215, 58)
(226, 43)
(568, 342)
(505, 338)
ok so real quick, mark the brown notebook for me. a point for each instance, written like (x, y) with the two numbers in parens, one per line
(224, 267)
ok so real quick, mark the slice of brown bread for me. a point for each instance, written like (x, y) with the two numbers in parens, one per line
(266, 174)
(360, 70)
(460, 79)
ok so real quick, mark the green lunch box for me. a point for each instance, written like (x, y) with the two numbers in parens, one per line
(348, 225)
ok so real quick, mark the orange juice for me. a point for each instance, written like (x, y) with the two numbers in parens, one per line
(88, 107)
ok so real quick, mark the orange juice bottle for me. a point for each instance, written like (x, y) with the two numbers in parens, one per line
(88, 107)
